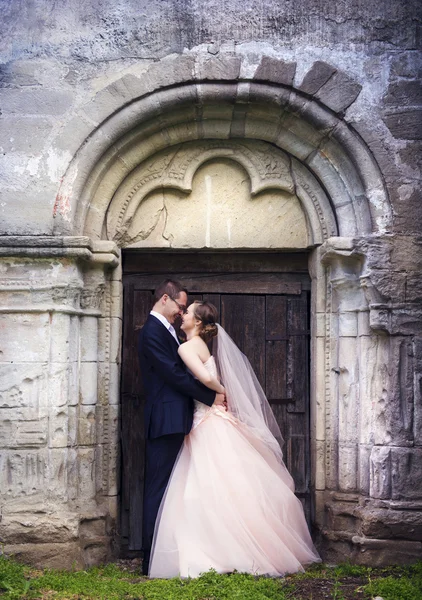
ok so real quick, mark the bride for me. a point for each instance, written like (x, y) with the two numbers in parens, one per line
(230, 502)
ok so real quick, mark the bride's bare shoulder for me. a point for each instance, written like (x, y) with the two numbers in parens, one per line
(196, 345)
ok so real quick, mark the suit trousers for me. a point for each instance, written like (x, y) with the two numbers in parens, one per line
(160, 456)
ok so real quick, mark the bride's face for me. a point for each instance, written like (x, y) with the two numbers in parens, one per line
(189, 320)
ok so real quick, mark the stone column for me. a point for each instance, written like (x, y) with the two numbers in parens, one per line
(372, 453)
(53, 510)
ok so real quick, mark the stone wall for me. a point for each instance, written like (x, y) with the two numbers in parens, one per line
(317, 107)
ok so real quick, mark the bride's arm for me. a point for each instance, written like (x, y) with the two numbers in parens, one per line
(191, 359)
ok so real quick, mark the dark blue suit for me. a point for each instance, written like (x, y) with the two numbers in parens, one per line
(170, 390)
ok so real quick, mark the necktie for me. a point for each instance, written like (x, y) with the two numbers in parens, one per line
(173, 333)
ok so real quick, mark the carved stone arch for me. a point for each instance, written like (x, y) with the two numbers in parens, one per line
(267, 167)
(298, 125)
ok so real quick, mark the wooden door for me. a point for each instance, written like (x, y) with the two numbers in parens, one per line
(267, 315)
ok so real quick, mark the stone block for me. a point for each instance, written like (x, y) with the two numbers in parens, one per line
(88, 383)
(417, 350)
(115, 96)
(339, 92)
(32, 528)
(72, 473)
(115, 339)
(96, 553)
(73, 384)
(86, 425)
(74, 133)
(363, 323)
(113, 475)
(410, 158)
(348, 467)
(66, 555)
(72, 425)
(32, 433)
(219, 68)
(58, 462)
(405, 124)
(23, 391)
(58, 427)
(319, 388)
(320, 324)
(364, 469)
(406, 467)
(15, 200)
(320, 462)
(24, 135)
(407, 216)
(276, 71)
(380, 552)
(347, 324)
(387, 524)
(25, 337)
(342, 517)
(35, 101)
(114, 384)
(380, 477)
(86, 474)
(24, 472)
(316, 77)
(58, 385)
(62, 346)
(89, 339)
(403, 93)
(92, 528)
(406, 64)
(171, 70)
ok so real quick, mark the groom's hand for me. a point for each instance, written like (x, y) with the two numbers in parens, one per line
(220, 401)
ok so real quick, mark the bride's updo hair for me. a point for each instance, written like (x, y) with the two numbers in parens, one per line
(207, 314)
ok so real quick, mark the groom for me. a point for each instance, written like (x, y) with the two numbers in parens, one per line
(170, 390)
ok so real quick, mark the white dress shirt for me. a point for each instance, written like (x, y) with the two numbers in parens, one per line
(166, 324)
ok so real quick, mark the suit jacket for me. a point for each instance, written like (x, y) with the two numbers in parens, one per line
(169, 388)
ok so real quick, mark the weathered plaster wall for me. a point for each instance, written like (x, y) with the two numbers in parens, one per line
(67, 73)
(56, 57)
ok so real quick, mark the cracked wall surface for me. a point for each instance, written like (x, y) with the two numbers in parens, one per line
(293, 125)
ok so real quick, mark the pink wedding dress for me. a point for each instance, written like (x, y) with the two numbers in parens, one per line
(229, 505)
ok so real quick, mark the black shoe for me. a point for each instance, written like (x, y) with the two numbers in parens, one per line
(145, 564)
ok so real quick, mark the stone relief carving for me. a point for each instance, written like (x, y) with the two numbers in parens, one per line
(174, 170)
(92, 297)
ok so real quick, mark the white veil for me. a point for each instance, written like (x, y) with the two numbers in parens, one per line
(245, 397)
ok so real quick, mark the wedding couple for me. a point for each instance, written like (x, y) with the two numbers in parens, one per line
(217, 493)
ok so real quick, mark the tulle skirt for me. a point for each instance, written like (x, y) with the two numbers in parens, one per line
(229, 506)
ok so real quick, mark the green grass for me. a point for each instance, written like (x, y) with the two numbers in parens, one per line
(113, 583)
(402, 583)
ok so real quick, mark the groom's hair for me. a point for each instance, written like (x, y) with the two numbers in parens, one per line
(170, 287)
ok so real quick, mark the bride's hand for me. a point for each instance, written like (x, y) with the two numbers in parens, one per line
(220, 401)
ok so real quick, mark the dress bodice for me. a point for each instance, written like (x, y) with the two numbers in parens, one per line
(201, 409)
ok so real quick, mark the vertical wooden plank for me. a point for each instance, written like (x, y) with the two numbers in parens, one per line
(298, 388)
(296, 462)
(298, 354)
(275, 328)
(276, 360)
(243, 317)
(214, 299)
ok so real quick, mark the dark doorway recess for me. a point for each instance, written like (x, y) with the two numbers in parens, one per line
(263, 302)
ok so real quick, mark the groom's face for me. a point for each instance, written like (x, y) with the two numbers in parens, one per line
(175, 307)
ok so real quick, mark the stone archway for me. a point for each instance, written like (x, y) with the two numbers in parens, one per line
(312, 155)
(317, 162)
